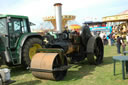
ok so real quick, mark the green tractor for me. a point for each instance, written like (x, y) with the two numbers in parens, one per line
(17, 43)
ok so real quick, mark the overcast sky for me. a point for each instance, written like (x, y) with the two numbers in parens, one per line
(36, 9)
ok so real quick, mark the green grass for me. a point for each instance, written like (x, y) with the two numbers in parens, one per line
(80, 74)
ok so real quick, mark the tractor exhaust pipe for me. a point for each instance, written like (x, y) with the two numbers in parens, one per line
(58, 14)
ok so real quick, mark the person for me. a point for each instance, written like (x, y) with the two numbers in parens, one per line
(127, 38)
(123, 45)
(105, 39)
(118, 44)
(118, 28)
(111, 38)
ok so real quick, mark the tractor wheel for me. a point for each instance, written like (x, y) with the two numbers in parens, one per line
(29, 50)
(96, 56)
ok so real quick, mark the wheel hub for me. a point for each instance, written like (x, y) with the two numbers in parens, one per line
(33, 50)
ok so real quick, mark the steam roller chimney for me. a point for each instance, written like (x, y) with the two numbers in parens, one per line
(58, 13)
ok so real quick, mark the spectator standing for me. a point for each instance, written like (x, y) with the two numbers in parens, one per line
(118, 44)
(118, 28)
(111, 38)
(123, 44)
(105, 41)
(127, 38)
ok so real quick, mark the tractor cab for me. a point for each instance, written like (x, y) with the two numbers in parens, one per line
(12, 27)
(12, 31)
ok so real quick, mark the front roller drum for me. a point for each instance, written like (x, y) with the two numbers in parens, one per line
(48, 66)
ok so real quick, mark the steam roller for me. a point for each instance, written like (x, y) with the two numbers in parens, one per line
(51, 62)
(52, 66)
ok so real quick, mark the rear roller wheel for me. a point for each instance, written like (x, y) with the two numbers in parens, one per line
(96, 56)
(29, 49)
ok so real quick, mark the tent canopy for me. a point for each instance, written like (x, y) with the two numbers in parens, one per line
(123, 16)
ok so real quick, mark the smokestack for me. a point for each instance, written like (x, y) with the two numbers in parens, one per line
(58, 17)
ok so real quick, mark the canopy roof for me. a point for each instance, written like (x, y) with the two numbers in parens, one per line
(123, 16)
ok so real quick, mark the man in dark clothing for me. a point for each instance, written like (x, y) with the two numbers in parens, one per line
(118, 44)
(111, 38)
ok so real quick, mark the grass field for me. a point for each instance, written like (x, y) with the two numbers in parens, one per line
(80, 74)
